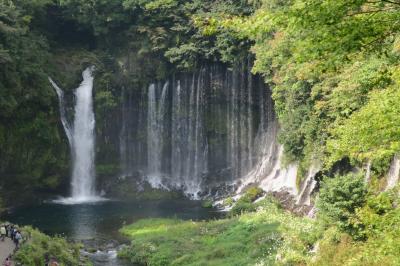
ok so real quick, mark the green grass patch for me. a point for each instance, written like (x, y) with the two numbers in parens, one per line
(246, 239)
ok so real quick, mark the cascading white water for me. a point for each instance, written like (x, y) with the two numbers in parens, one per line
(123, 138)
(249, 126)
(189, 148)
(63, 113)
(200, 151)
(240, 122)
(178, 131)
(367, 168)
(394, 173)
(233, 128)
(215, 128)
(270, 174)
(82, 141)
(308, 185)
(155, 122)
(83, 173)
(260, 158)
(153, 137)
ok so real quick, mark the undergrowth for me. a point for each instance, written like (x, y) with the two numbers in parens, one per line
(250, 238)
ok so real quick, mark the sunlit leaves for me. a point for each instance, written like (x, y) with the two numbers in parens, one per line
(373, 131)
(322, 59)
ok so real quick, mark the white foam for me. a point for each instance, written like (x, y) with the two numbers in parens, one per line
(79, 200)
(277, 178)
(156, 181)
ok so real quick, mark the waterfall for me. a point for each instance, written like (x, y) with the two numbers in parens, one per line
(244, 90)
(203, 130)
(270, 174)
(367, 168)
(233, 127)
(132, 146)
(123, 138)
(394, 173)
(178, 132)
(263, 166)
(308, 185)
(153, 134)
(83, 134)
(82, 140)
(200, 143)
(189, 145)
(155, 123)
(249, 122)
(63, 112)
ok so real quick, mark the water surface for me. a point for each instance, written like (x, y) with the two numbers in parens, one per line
(98, 222)
(101, 220)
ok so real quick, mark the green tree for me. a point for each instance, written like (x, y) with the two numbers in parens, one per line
(339, 199)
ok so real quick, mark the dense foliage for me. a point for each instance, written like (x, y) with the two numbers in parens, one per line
(29, 138)
(339, 198)
(39, 246)
(245, 203)
(374, 235)
(334, 70)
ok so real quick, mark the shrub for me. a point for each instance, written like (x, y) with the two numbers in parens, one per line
(242, 206)
(228, 202)
(252, 194)
(245, 203)
(339, 198)
(207, 204)
(39, 245)
(381, 204)
(380, 246)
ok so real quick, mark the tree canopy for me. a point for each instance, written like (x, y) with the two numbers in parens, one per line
(333, 66)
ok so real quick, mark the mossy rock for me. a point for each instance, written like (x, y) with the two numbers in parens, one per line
(207, 204)
(228, 202)
(252, 194)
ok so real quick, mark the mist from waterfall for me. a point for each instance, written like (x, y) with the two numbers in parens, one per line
(82, 140)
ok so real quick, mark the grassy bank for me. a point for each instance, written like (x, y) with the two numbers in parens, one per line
(250, 238)
(355, 225)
